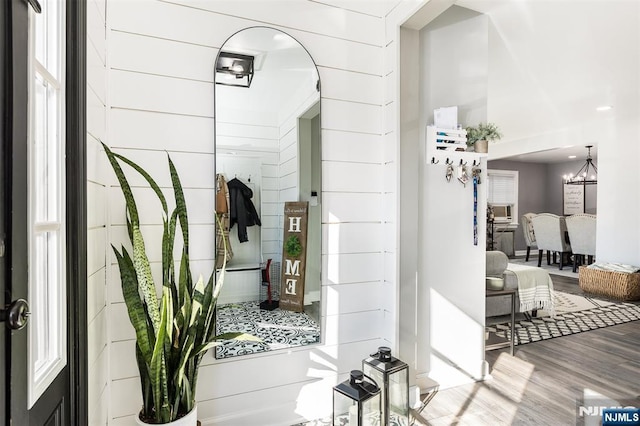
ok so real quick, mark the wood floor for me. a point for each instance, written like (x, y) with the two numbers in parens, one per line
(543, 383)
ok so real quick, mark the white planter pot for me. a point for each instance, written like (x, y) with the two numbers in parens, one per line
(190, 419)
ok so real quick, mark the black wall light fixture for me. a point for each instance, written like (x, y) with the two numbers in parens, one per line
(234, 69)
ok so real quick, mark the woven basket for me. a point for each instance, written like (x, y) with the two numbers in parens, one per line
(617, 285)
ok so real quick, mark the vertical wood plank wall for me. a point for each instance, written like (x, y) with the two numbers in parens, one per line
(97, 312)
(159, 99)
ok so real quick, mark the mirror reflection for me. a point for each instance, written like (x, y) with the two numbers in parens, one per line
(268, 195)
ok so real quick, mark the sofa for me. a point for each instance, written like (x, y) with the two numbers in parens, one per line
(497, 263)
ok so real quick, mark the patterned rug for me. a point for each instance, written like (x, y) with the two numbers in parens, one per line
(574, 314)
(277, 329)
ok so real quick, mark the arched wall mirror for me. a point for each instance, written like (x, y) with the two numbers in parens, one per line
(267, 156)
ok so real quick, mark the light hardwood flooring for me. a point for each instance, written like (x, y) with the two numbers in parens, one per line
(544, 381)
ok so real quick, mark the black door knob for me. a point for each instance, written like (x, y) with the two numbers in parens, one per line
(16, 315)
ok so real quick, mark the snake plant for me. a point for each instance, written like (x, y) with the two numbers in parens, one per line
(173, 333)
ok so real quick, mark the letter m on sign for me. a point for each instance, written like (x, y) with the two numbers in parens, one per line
(292, 268)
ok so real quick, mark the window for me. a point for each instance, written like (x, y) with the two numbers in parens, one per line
(502, 194)
(47, 277)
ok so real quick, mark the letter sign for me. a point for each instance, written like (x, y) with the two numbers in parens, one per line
(294, 256)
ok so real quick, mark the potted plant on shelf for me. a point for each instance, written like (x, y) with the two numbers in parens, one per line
(173, 333)
(479, 136)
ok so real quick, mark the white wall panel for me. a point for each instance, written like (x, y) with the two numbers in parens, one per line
(97, 199)
(96, 33)
(96, 205)
(199, 201)
(212, 29)
(344, 207)
(352, 147)
(98, 74)
(96, 294)
(201, 241)
(350, 86)
(353, 327)
(347, 298)
(352, 238)
(195, 169)
(162, 100)
(351, 177)
(96, 116)
(161, 131)
(351, 268)
(97, 382)
(96, 337)
(161, 56)
(95, 161)
(96, 240)
(352, 117)
(157, 93)
(370, 7)
(306, 16)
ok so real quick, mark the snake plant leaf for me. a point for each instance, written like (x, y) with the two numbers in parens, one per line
(145, 383)
(189, 342)
(145, 279)
(140, 260)
(148, 178)
(222, 338)
(137, 315)
(170, 263)
(171, 336)
(129, 227)
(206, 314)
(132, 209)
(181, 206)
(157, 371)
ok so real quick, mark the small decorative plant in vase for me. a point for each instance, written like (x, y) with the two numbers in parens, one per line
(479, 136)
(173, 333)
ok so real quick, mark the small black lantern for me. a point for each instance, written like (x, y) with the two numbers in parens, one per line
(356, 402)
(393, 377)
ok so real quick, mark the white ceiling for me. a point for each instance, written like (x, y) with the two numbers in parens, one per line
(551, 64)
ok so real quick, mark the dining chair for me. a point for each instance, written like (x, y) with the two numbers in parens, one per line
(529, 234)
(582, 234)
(551, 235)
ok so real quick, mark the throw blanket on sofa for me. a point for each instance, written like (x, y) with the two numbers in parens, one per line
(535, 288)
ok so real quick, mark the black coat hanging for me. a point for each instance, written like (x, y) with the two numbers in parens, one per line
(241, 208)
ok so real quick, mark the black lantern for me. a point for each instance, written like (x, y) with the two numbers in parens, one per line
(393, 377)
(356, 402)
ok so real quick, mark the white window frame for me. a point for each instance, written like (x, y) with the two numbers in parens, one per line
(47, 350)
(511, 174)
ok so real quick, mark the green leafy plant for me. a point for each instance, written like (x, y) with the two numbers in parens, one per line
(482, 131)
(292, 246)
(173, 333)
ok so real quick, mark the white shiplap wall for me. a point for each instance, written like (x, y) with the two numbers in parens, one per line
(97, 316)
(160, 91)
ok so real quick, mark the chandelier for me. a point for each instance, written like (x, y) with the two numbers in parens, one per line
(588, 173)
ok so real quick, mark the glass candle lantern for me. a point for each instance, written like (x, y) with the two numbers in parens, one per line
(356, 402)
(393, 377)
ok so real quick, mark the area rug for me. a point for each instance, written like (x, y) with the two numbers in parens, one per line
(277, 329)
(574, 314)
